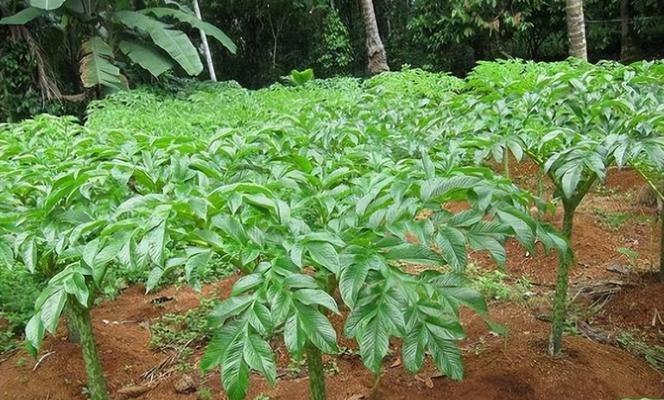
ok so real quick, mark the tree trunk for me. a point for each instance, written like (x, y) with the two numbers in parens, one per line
(661, 242)
(629, 49)
(562, 283)
(576, 29)
(96, 381)
(316, 373)
(206, 46)
(377, 59)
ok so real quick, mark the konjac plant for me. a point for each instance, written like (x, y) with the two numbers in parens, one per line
(574, 125)
(330, 197)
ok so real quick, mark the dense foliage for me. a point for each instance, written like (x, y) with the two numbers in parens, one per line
(331, 196)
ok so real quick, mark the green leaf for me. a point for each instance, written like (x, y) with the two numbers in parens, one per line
(413, 253)
(97, 67)
(234, 370)
(352, 280)
(75, 285)
(316, 297)
(192, 20)
(246, 283)
(216, 349)
(519, 222)
(231, 307)
(51, 310)
(324, 254)
(373, 338)
(30, 255)
(156, 242)
(446, 355)
(22, 17)
(153, 278)
(412, 351)
(6, 254)
(174, 42)
(195, 263)
(47, 4)
(452, 245)
(34, 331)
(259, 356)
(317, 329)
(294, 337)
(147, 56)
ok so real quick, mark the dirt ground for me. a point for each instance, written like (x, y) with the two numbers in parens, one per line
(512, 367)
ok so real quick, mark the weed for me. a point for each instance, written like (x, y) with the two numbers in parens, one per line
(654, 355)
(631, 254)
(173, 331)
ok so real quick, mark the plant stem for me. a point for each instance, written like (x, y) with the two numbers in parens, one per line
(506, 164)
(316, 372)
(540, 183)
(562, 282)
(73, 335)
(96, 381)
(661, 246)
(375, 394)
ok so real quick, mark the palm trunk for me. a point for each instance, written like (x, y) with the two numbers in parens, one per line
(576, 29)
(377, 59)
(316, 373)
(661, 246)
(562, 283)
(629, 50)
(206, 46)
(96, 381)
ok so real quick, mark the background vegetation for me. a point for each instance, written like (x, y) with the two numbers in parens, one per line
(275, 36)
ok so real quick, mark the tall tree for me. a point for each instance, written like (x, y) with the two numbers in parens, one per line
(629, 47)
(206, 47)
(576, 29)
(377, 60)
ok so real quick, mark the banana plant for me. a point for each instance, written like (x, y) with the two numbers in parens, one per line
(111, 30)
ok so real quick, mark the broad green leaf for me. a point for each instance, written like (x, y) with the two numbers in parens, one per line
(30, 254)
(97, 66)
(316, 297)
(34, 331)
(153, 278)
(52, 309)
(324, 254)
(373, 338)
(452, 245)
(412, 351)
(352, 280)
(318, 329)
(47, 4)
(192, 20)
(147, 56)
(259, 356)
(234, 370)
(75, 285)
(446, 355)
(22, 17)
(174, 42)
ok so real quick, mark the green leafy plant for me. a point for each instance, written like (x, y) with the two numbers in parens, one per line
(299, 78)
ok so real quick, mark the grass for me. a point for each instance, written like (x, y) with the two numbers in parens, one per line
(177, 330)
(615, 220)
(654, 355)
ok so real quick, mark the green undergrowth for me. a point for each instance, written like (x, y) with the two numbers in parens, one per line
(178, 330)
(653, 354)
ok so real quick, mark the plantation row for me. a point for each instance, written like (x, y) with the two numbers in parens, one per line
(323, 195)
